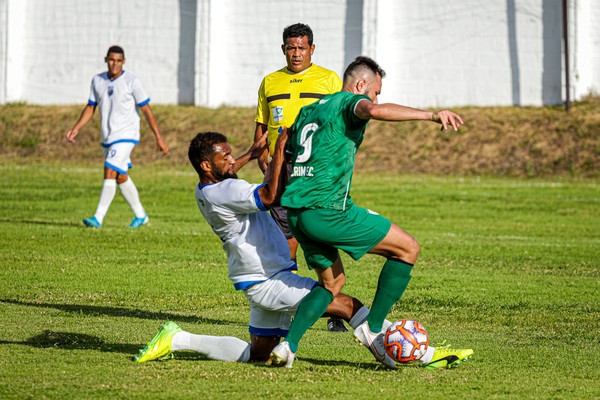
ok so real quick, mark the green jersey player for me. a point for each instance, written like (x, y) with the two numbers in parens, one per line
(321, 179)
(323, 142)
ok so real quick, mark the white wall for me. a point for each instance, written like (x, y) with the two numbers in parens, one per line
(471, 52)
(585, 60)
(213, 52)
(241, 42)
(3, 53)
(59, 45)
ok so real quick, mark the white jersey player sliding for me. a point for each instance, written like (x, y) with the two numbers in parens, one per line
(258, 256)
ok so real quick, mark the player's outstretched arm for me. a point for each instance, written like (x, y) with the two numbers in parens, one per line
(263, 159)
(160, 142)
(86, 115)
(276, 173)
(396, 112)
(258, 147)
(447, 118)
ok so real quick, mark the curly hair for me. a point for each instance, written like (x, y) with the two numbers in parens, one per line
(202, 148)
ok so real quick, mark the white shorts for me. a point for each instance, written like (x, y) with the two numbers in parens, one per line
(118, 157)
(274, 302)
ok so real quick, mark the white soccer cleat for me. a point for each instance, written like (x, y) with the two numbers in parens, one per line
(281, 355)
(373, 342)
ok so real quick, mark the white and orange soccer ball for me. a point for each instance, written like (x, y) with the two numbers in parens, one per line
(406, 341)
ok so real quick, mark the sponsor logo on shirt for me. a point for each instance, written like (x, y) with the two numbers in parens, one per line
(303, 171)
(111, 90)
(277, 113)
(295, 80)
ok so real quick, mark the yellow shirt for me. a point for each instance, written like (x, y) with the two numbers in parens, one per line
(283, 93)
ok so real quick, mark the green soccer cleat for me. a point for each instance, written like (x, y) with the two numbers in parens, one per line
(445, 357)
(160, 346)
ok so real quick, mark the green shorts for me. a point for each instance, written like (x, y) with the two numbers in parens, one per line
(321, 232)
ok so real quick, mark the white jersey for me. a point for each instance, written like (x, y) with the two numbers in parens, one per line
(255, 247)
(118, 101)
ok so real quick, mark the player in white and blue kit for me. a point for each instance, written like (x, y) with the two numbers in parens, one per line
(119, 96)
(258, 255)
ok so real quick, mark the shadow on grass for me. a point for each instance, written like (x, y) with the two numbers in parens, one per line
(74, 341)
(332, 363)
(190, 356)
(38, 222)
(120, 312)
(79, 341)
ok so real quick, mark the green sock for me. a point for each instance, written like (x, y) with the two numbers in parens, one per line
(393, 280)
(311, 308)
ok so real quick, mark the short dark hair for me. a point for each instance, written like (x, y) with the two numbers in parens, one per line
(298, 30)
(363, 62)
(115, 49)
(202, 148)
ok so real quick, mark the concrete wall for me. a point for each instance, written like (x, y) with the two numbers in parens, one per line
(215, 52)
(472, 52)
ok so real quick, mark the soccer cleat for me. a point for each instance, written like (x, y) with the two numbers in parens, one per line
(445, 357)
(159, 347)
(373, 342)
(281, 355)
(92, 222)
(137, 222)
(335, 324)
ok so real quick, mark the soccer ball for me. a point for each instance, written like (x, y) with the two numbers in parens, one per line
(406, 341)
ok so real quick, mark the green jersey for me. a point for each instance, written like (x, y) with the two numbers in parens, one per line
(323, 143)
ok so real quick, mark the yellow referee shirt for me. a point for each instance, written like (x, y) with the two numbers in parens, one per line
(283, 93)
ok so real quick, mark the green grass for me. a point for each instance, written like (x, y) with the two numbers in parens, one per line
(508, 267)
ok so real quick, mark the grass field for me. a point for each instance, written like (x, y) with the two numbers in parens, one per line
(508, 267)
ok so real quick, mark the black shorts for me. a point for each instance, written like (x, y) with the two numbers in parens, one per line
(279, 213)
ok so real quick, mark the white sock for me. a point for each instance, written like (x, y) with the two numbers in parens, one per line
(428, 356)
(132, 196)
(222, 348)
(109, 188)
(386, 324)
(361, 316)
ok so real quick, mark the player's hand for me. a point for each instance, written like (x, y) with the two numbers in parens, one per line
(259, 147)
(162, 145)
(447, 118)
(71, 133)
(282, 139)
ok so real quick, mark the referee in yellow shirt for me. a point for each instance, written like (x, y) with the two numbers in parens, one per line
(281, 96)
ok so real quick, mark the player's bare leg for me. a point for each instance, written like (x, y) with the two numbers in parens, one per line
(261, 347)
(336, 279)
(398, 244)
(332, 278)
(401, 251)
(293, 245)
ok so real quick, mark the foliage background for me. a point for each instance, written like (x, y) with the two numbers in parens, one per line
(500, 141)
